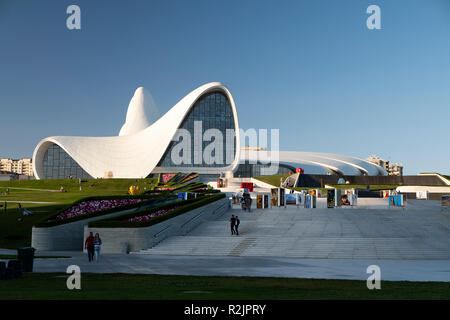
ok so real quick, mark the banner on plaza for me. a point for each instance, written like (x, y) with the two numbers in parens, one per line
(330, 198)
(290, 199)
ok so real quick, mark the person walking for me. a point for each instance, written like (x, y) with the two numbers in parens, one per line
(246, 197)
(249, 203)
(236, 225)
(232, 224)
(89, 245)
(97, 246)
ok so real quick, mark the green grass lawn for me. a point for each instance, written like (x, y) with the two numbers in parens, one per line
(73, 184)
(273, 180)
(442, 175)
(164, 287)
(14, 233)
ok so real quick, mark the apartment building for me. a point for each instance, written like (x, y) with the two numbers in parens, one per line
(393, 169)
(20, 166)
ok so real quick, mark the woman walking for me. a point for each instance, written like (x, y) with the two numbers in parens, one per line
(97, 246)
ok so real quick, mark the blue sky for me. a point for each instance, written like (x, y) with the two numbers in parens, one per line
(310, 68)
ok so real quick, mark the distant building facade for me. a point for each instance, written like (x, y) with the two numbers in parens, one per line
(22, 166)
(393, 169)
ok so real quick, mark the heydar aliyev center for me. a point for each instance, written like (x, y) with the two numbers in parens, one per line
(147, 143)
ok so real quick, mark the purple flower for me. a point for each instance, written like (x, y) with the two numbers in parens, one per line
(152, 215)
(90, 206)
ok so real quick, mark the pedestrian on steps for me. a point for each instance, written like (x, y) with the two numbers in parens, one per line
(236, 225)
(232, 224)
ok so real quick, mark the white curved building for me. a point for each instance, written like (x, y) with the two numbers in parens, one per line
(147, 144)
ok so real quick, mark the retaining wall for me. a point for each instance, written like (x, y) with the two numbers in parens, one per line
(123, 240)
(67, 236)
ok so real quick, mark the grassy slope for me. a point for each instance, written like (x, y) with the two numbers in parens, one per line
(14, 234)
(155, 287)
(273, 180)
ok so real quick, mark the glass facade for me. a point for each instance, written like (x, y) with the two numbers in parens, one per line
(247, 170)
(214, 111)
(58, 164)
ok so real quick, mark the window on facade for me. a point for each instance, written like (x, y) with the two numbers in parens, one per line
(58, 164)
(214, 111)
(247, 170)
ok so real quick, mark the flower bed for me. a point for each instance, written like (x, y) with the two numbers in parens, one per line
(200, 189)
(165, 177)
(152, 215)
(90, 206)
(190, 177)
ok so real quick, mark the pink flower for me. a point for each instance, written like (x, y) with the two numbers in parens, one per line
(90, 206)
(151, 215)
(191, 176)
(166, 177)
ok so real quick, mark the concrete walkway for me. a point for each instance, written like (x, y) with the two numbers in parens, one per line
(353, 269)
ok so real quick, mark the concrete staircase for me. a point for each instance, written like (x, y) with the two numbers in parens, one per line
(195, 245)
(319, 248)
(242, 246)
(319, 233)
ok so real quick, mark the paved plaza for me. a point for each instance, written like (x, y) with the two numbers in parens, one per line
(411, 244)
(421, 232)
(391, 270)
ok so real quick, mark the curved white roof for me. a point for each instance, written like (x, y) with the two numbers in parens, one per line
(141, 112)
(136, 154)
(144, 138)
(318, 163)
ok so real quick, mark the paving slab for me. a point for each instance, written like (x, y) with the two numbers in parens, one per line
(351, 269)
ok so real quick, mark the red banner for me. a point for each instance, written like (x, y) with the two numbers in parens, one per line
(247, 185)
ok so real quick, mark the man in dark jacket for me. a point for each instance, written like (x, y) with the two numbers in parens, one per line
(232, 223)
(236, 225)
(89, 245)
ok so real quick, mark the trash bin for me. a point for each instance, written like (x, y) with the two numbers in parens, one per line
(2, 270)
(16, 267)
(10, 273)
(26, 255)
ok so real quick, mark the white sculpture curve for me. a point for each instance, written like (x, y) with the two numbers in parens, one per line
(137, 152)
(141, 113)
